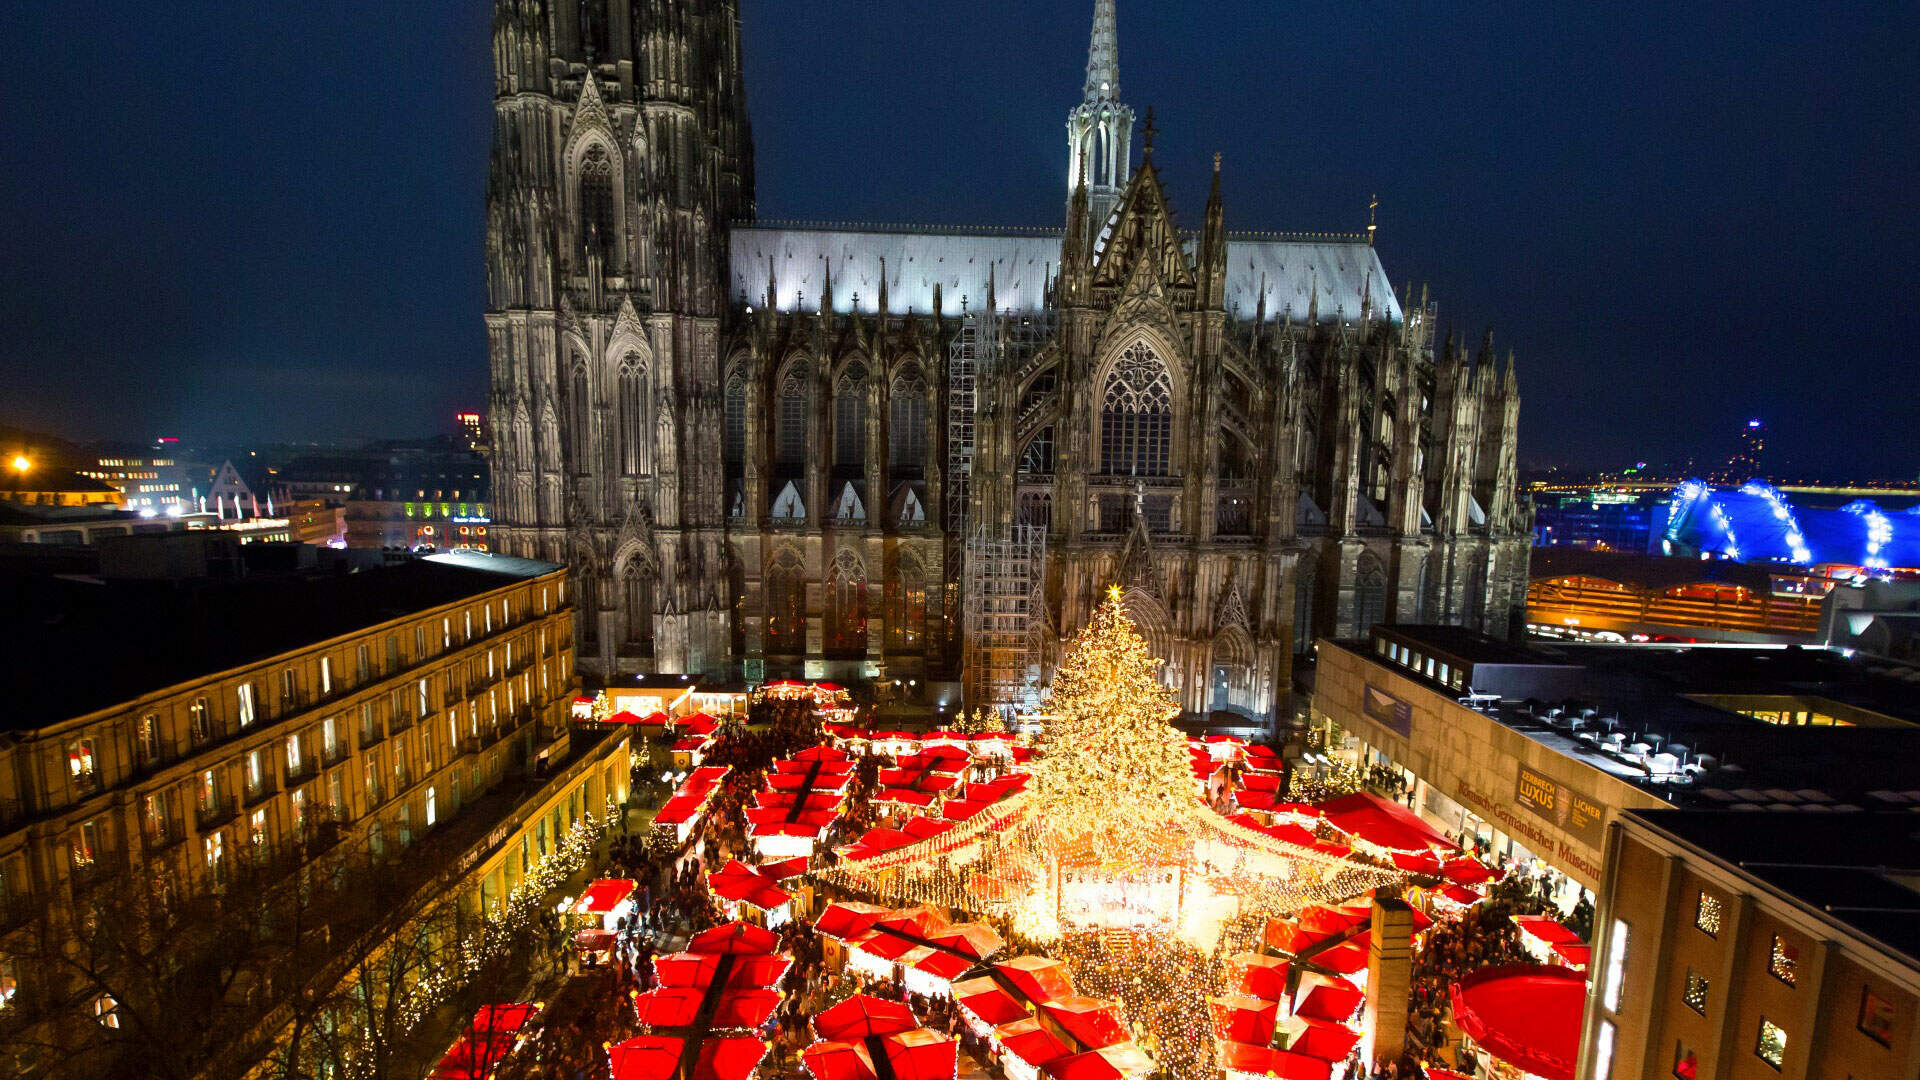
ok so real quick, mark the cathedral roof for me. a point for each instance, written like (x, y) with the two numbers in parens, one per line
(1345, 270)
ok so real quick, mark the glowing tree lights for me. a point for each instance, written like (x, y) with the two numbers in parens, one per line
(1110, 860)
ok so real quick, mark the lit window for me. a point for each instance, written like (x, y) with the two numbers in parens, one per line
(80, 766)
(293, 754)
(1781, 960)
(9, 981)
(1616, 971)
(432, 810)
(199, 720)
(245, 694)
(1772, 1045)
(326, 675)
(1706, 915)
(1603, 1052)
(257, 827)
(1136, 416)
(1695, 994)
(106, 1011)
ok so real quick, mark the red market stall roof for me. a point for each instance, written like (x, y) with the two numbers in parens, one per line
(864, 1016)
(691, 744)
(602, 897)
(698, 724)
(1263, 1061)
(1107, 1063)
(734, 939)
(1526, 1015)
(986, 999)
(1546, 929)
(1578, 956)
(623, 717)
(1260, 976)
(1027, 1039)
(503, 1017)
(1461, 895)
(699, 969)
(1092, 1022)
(1243, 1018)
(741, 883)
(657, 1057)
(848, 919)
(679, 810)
(1383, 823)
(1467, 870)
(1038, 978)
(1331, 1003)
(1326, 1041)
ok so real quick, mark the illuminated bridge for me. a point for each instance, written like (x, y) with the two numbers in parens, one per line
(1755, 523)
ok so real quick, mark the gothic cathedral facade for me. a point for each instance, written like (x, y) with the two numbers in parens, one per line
(776, 449)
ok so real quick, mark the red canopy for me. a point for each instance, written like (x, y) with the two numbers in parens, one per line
(1243, 1018)
(685, 969)
(1261, 1061)
(1575, 955)
(1039, 978)
(1383, 823)
(602, 897)
(1092, 1022)
(847, 920)
(1526, 1015)
(623, 717)
(669, 1006)
(502, 1017)
(1420, 862)
(1331, 1003)
(1466, 870)
(1030, 1042)
(1106, 1063)
(986, 999)
(1326, 1041)
(921, 1054)
(734, 939)
(741, 883)
(1461, 895)
(839, 1061)
(1546, 929)
(1264, 977)
(864, 1015)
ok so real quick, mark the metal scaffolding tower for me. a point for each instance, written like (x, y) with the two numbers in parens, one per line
(1004, 574)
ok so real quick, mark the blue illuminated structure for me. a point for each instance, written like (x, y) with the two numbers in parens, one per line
(1755, 523)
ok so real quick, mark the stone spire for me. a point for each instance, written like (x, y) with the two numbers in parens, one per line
(1103, 55)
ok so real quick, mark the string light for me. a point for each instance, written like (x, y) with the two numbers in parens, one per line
(1110, 861)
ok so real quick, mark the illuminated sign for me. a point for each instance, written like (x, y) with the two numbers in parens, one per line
(1387, 709)
(1561, 806)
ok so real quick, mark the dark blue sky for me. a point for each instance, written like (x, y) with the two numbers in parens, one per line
(235, 219)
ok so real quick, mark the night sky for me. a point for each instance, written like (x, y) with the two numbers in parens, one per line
(236, 220)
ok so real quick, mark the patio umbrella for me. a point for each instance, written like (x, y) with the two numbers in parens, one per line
(862, 1016)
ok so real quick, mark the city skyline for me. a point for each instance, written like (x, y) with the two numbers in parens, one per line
(1626, 228)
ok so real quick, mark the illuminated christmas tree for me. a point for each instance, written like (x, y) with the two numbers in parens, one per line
(1112, 764)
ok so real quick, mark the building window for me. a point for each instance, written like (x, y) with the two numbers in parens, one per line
(422, 697)
(1616, 970)
(1706, 914)
(850, 417)
(9, 981)
(199, 721)
(295, 760)
(1876, 1017)
(80, 766)
(786, 606)
(289, 689)
(790, 425)
(215, 848)
(735, 447)
(846, 605)
(1771, 1047)
(1695, 994)
(1781, 959)
(597, 221)
(362, 666)
(633, 419)
(326, 675)
(432, 808)
(146, 745)
(106, 1011)
(244, 692)
(1603, 1051)
(83, 846)
(1136, 416)
(907, 424)
(330, 737)
(257, 828)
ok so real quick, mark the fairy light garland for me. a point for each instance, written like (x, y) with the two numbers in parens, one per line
(1111, 863)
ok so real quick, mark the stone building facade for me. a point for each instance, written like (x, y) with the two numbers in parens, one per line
(1251, 433)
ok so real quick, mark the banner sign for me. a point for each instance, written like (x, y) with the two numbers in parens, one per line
(1561, 806)
(1388, 710)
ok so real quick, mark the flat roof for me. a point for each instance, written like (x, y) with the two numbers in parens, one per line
(78, 644)
(1846, 868)
(1649, 693)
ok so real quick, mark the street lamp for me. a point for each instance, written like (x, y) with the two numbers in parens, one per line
(21, 463)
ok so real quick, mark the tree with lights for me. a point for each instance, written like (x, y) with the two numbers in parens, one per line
(1112, 765)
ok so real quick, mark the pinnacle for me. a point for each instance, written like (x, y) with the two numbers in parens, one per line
(1103, 55)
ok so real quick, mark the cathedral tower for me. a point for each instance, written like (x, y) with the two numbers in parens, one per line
(621, 148)
(1100, 128)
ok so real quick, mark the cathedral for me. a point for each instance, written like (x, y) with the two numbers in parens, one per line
(918, 455)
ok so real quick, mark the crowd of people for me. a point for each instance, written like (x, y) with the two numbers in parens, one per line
(673, 902)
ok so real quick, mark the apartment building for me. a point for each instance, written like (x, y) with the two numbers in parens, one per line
(182, 725)
(1744, 946)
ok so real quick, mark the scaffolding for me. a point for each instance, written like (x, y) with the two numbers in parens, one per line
(1004, 568)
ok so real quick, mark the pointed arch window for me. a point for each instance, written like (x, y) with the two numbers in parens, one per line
(850, 417)
(736, 421)
(579, 416)
(786, 607)
(633, 415)
(636, 601)
(796, 407)
(1369, 595)
(907, 607)
(907, 424)
(847, 606)
(1136, 415)
(599, 221)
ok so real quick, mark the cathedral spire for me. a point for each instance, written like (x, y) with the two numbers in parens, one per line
(1103, 55)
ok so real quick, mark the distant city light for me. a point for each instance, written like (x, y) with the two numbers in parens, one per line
(21, 463)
